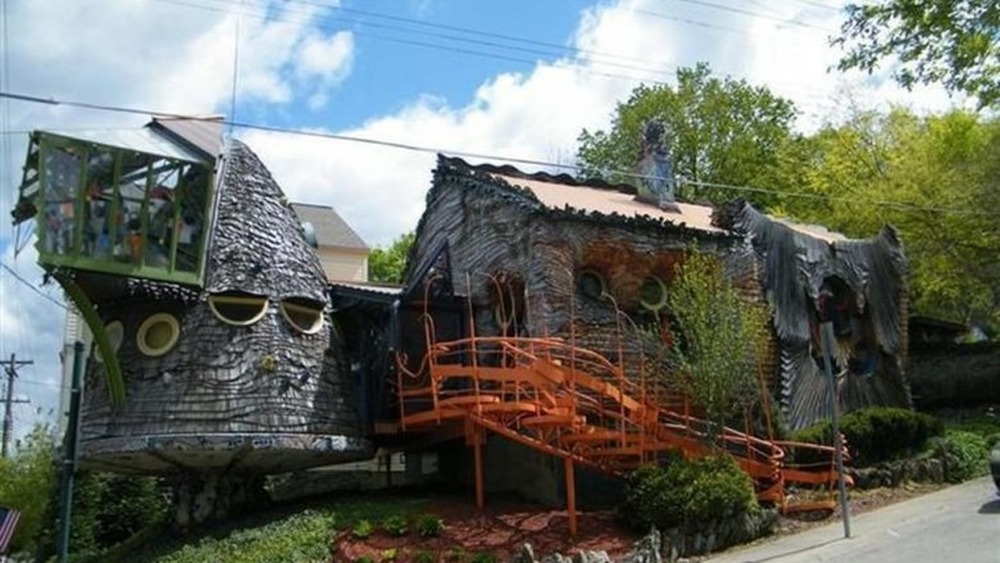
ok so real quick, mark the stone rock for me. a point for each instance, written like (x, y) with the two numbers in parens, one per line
(556, 558)
(524, 555)
(646, 550)
(935, 470)
(591, 557)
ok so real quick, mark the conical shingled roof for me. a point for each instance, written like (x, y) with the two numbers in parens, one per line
(257, 244)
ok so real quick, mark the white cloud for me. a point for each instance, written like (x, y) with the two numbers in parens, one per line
(322, 63)
(325, 56)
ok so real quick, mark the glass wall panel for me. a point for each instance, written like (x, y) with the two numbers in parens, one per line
(61, 168)
(192, 198)
(130, 189)
(100, 204)
(120, 211)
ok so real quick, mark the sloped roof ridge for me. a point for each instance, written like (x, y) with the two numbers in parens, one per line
(495, 177)
(513, 172)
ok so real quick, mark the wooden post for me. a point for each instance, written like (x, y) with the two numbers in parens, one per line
(477, 452)
(571, 496)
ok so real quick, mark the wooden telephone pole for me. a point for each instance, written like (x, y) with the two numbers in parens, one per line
(10, 366)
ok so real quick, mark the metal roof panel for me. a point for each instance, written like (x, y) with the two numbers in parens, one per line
(144, 140)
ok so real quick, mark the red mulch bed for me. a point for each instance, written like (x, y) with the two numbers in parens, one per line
(503, 526)
(500, 528)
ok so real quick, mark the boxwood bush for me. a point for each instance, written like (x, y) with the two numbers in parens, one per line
(686, 493)
(874, 434)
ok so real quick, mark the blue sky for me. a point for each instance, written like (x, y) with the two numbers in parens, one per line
(323, 65)
(389, 72)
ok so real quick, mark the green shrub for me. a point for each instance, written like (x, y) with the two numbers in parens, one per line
(873, 435)
(424, 557)
(965, 455)
(687, 493)
(485, 558)
(303, 537)
(429, 525)
(363, 529)
(365, 559)
(395, 525)
(978, 423)
(388, 555)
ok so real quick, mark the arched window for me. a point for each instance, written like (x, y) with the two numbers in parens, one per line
(305, 315)
(653, 294)
(238, 308)
(158, 334)
(592, 284)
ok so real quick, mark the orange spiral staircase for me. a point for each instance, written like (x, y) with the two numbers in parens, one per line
(574, 404)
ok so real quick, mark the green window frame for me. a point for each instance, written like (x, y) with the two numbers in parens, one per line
(124, 189)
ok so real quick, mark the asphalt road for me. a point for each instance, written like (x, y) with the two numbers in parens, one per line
(960, 524)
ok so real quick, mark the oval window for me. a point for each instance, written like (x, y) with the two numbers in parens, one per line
(116, 333)
(653, 294)
(305, 315)
(592, 284)
(158, 334)
(238, 308)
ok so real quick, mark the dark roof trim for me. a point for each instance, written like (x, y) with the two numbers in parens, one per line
(510, 170)
(458, 171)
(347, 293)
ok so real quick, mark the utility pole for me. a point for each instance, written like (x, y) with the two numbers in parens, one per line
(10, 367)
(69, 457)
(826, 341)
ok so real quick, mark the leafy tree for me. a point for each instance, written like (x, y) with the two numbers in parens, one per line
(935, 179)
(108, 508)
(717, 130)
(387, 265)
(952, 42)
(724, 339)
(26, 480)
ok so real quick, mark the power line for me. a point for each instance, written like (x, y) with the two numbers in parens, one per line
(745, 12)
(648, 74)
(471, 154)
(438, 46)
(815, 4)
(470, 31)
(32, 287)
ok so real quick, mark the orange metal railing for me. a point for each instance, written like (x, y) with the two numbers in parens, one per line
(569, 402)
(575, 404)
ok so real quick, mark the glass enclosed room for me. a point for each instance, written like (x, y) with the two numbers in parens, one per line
(125, 202)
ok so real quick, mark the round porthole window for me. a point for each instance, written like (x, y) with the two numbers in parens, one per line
(158, 334)
(592, 284)
(653, 294)
(116, 333)
(238, 308)
(305, 315)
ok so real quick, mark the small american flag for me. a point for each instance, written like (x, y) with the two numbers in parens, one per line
(8, 522)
